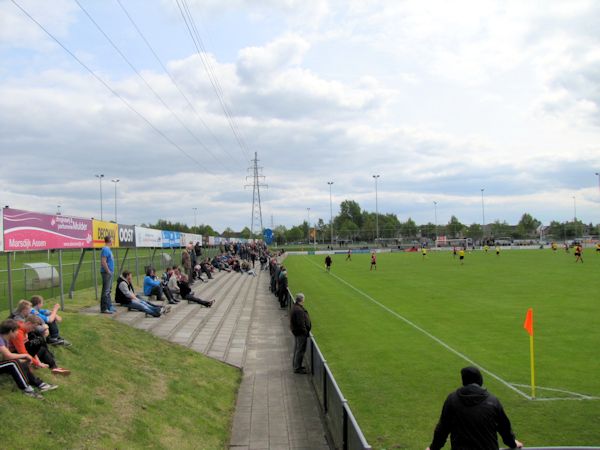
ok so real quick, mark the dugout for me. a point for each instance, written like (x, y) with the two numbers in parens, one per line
(40, 276)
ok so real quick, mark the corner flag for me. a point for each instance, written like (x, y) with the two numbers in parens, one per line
(528, 325)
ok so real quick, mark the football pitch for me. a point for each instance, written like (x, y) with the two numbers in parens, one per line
(397, 337)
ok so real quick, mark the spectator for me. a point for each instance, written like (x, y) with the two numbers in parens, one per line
(30, 339)
(186, 261)
(17, 364)
(107, 268)
(282, 283)
(153, 286)
(22, 311)
(472, 417)
(125, 295)
(300, 326)
(186, 293)
(198, 250)
(51, 318)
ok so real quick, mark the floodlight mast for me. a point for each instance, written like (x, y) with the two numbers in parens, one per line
(330, 183)
(376, 177)
(100, 176)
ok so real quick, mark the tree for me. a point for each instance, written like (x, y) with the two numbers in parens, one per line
(474, 231)
(228, 232)
(455, 228)
(527, 226)
(408, 228)
(247, 234)
(350, 210)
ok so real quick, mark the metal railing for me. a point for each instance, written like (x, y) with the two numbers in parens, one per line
(339, 420)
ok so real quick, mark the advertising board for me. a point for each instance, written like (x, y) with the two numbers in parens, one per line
(25, 230)
(147, 237)
(171, 239)
(103, 229)
(126, 236)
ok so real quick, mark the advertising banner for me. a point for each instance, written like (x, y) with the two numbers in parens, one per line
(1, 232)
(211, 240)
(126, 236)
(103, 229)
(147, 237)
(25, 230)
(171, 239)
(186, 238)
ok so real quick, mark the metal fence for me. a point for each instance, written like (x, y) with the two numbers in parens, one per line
(74, 270)
(339, 420)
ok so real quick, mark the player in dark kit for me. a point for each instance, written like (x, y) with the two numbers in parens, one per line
(349, 255)
(579, 253)
(373, 261)
(328, 263)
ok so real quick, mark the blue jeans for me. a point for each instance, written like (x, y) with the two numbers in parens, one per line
(144, 306)
(105, 301)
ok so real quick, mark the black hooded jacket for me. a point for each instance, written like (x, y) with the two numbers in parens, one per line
(472, 416)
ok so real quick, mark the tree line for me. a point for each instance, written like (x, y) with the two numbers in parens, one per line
(355, 224)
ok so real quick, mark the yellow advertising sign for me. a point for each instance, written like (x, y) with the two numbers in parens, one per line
(102, 229)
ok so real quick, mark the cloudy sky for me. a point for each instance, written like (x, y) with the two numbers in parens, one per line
(441, 99)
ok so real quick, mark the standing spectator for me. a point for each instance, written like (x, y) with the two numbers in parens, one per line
(300, 326)
(472, 417)
(283, 287)
(186, 261)
(198, 250)
(107, 268)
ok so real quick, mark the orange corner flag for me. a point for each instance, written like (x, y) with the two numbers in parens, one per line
(528, 325)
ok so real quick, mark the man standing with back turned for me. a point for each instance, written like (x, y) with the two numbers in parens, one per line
(472, 416)
(300, 326)
(107, 268)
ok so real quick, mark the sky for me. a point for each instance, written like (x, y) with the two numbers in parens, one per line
(440, 99)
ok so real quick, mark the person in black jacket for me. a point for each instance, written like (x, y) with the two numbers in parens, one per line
(472, 416)
(300, 326)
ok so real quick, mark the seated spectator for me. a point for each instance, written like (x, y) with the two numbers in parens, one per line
(30, 339)
(51, 318)
(22, 311)
(153, 286)
(17, 364)
(186, 292)
(247, 268)
(125, 295)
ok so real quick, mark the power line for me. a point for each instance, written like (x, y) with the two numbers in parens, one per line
(160, 99)
(190, 104)
(212, 78)
(115, 93)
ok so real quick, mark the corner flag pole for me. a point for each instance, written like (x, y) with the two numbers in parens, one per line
(528, 325)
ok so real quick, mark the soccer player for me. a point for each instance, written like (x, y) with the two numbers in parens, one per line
(554, 247)
(486, 248)
(328, 263)
(349, 255)
(598, 248)
(578, 253)
(373, 261)
(454, 251)
(497, 250)
(461, 256)
(424, 251)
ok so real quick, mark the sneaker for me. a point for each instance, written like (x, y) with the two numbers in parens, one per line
(44, 387)
(61, 371)
(108, 311)
(63, 342)
(29, 392)
(55, 341)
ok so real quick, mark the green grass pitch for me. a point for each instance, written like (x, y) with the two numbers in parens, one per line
(396, 377)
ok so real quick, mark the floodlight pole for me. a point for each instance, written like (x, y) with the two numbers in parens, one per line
(376, 177)
(482, 216)
(115, 180)
(330, 183)
(574, 209)
(100, 176)
(435, 218)
(308, 237)
(195, 217)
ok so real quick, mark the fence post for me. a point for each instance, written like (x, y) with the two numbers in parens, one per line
(76, 274)
(10, 286)
(325, 387)
(95, 272)
(344, 426)
(137, 267)
(60, 280)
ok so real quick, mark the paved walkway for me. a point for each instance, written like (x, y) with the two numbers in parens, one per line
(276, 409)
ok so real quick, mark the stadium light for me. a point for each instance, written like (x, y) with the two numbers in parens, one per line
(376, 177)
(115, 180)
(100, 176)
(195, 217)
(598, 175)
(435, 218)
(330, 183)
(482, 215)
(574, 209)
(308, 237)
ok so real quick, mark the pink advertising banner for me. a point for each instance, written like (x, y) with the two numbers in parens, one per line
(25, 230)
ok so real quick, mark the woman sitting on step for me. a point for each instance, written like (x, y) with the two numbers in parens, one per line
(186, 292)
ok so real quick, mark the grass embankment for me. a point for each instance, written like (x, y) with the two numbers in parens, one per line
(128, 389)
(396, 378)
